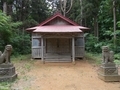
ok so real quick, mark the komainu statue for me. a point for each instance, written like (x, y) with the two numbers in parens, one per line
(5, 56)
(107, 55)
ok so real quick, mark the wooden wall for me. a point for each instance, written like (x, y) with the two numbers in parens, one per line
(57, 45)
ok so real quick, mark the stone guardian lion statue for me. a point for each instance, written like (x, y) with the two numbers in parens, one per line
(107, 55)
(5, 56)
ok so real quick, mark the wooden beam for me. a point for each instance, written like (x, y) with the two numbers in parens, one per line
(73, 50)
(42, 50)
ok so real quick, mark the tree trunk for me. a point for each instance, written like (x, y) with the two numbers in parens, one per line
(9, 10)
(114, 19)
(5, 7)
(96, 33)
(81, 13)
(64, 10)
(85, 22)
(1, 4)
(64, 6)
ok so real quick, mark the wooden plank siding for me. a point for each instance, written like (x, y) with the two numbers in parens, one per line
(58, 49)
(36, 52)
(79, 51)
(79, 46)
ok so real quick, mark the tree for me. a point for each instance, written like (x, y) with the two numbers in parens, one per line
(114, 19)
(39, 12)
(5, 29)
(21, 10)
(5, 7)
(81, 11)
(66, 6)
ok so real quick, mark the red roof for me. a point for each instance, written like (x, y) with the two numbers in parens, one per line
(60, 16)
(45, 27)
(57, 29)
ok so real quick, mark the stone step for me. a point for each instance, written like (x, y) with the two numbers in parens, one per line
(8, 78)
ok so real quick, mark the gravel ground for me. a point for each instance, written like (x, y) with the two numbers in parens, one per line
(33, 75)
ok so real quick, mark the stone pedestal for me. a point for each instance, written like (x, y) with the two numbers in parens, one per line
(7, 72)
(108, 72)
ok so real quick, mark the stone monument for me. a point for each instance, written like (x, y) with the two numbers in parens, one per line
(108, 70)
(7, 70)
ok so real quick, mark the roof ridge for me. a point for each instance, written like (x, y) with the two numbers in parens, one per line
(58, 15)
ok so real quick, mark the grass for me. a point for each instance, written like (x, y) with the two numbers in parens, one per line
(27, 63)
(117, 59)
(21, 57)
(97, 58)
(5, 85)
(94, 58)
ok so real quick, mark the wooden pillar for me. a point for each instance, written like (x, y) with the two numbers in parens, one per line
(73, 50)
(42, 50)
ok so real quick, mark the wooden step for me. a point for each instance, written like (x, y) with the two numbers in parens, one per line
(55, 60)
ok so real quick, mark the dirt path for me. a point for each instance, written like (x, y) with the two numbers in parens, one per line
(60, 76)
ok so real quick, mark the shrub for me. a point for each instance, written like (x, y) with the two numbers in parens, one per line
(21, 44)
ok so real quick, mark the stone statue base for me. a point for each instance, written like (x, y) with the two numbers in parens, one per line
(7, 72)
(108, 72)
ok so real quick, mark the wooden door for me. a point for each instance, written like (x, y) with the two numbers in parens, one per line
(64, 45)
(58, 45)
(51, 46)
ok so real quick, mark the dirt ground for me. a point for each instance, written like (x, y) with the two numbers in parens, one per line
(60, 76)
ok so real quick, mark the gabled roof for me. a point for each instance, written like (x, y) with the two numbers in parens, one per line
(61, 17)
(47, 28)
(60, 29)
(37, 27)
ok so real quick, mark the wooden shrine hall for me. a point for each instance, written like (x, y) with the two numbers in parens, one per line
(58, 39)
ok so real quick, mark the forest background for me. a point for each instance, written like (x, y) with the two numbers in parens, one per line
(101, 16)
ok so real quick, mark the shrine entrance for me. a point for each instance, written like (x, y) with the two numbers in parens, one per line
(58, 45)
(58, 49)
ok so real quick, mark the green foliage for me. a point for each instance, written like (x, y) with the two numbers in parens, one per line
(28, 13)
(117, 58)
(29, 23)
(117, 62)
(1, 44)
(5, 29)
(95, 46)
(21, 44)
(39, 10)
(92, 44)
(10, 34)
(15, 25)
(92, 57)
(5, 86)
(21, 57)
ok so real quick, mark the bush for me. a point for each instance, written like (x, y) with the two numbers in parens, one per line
(92, 44)
(5, 30)
(21, 44)
(117, 58)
